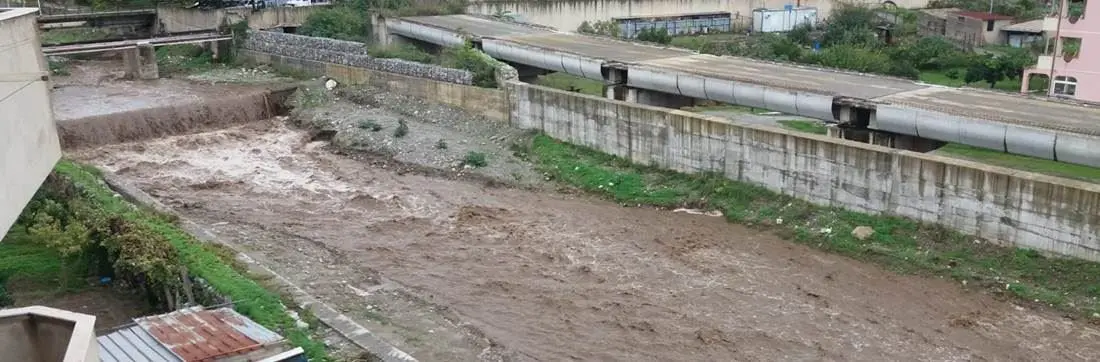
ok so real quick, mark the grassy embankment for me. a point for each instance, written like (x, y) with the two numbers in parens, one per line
(898, 244)
(214, 264)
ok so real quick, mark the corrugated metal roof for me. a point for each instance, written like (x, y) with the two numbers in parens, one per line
(1034, 26)
(941, 13)
(203, 335)
(188, 335)
(133, 344)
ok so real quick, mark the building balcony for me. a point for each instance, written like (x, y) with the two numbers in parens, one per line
(1045, 62)
(43, 334)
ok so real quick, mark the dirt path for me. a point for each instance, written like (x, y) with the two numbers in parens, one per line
(451, 270)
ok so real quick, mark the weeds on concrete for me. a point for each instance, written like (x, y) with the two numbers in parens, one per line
(475, 159)
(805, 126)
(202, 260)
(899, 244)
(441, 144)
(402, 129)
(370, 125)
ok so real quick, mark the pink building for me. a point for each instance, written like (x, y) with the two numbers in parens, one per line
(1072, 60)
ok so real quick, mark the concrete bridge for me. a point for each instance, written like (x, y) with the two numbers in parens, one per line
(166, 20)
(888, 111)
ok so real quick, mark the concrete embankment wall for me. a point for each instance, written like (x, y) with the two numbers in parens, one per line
(568, 15)
(345, 53)
(491, 103)
(1006, 206)
(175, 119)
(175, 19)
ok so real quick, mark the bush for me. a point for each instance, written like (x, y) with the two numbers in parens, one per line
(475, 159)
(404, 51)
(654, 35)
(5, 299)
(370, 125)
(473, 60)
(343, 22)
(854, 58)
(402, 129)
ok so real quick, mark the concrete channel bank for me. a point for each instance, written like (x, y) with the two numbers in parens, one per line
(1011, 207)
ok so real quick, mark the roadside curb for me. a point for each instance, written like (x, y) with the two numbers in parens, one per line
(332, 318)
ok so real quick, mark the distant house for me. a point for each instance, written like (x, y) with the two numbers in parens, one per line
(967, 28)
(1022, 34)
(933, 22)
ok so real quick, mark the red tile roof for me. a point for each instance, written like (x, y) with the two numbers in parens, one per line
(983, 15)
(203, 335)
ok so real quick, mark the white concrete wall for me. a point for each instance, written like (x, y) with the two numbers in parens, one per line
(568, 15)
(29, 147)
(1023, 209)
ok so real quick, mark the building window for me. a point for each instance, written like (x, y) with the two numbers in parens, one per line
(1066, 86)
(989, 25)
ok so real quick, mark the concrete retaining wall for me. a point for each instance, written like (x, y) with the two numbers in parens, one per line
(347, 53)
(28, 139)
(175, 19)
(1012, 207)
(490, 103)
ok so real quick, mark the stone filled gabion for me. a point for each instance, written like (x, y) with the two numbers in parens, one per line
(348, 53)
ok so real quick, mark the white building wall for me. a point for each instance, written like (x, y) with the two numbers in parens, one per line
(29, 147)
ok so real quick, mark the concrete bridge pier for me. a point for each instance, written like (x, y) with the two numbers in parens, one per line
(141, 62)
(219, 48)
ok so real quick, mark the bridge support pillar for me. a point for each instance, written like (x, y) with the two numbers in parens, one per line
(219, 49)
(141, 62)
(615, 91)
(659, 99)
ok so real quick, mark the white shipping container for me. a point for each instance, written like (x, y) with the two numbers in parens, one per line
(782, 20)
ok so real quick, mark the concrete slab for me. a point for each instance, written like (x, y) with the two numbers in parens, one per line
(1000, 107)
(785, 75)
(598, 48)
(476, 26)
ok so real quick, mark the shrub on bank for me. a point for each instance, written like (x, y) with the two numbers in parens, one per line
(202, 260)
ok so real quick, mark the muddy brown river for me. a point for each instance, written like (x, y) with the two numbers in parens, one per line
(453, 270)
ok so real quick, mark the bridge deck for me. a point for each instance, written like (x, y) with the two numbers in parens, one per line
(1007, 108)
(978, 104)
(785, 75)
(476, 26)
(64, 18)
(598, 48)
(125, 44)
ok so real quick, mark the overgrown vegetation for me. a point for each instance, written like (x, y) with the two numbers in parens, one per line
(76, 226)
(855, 38)
(350, 20)
(467, 57)
(183, 58)
(475, 159)
(402, 129)
(899, 244)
